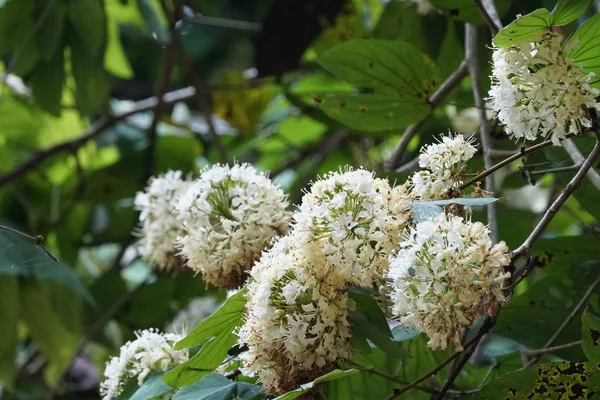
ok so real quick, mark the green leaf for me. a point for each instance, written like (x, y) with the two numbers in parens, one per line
(567, 380)
(526, 28)
(565, 268)
(115, 59)
(215, 335)
(54, 341)
(467, 11)
(50, 33)
(176, 152)
(9, 339)
(152, 387)
(333, 375)
(21, 257)
(586, 53)
(90, 80)
(394, 78)
(155, 18)
(568, 10)
(591, 336)
(369, 322)
(217, 387)
(89, 21)
(47, 83)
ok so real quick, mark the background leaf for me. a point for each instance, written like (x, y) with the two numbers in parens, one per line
(590, 325)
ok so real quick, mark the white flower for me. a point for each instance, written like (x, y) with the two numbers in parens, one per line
(196, 311)
(446, 274)
(355, 220)
(296, 322)
(443, 163)
(230, 214)
(537, 91)
(151, 351)
(160, 226)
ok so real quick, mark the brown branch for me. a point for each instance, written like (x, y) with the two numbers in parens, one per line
(484, 126)
(540, 352)
(203, 98)
(578, 158)
(522, 153)
(93, 131)
(490, 14)
(560, 200)
(167, 68)
(224, 23)
(434, 100)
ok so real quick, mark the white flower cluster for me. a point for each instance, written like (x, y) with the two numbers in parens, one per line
(356, 219)
(443, 163)
(446, 274)
(160, 226)
(151, 351)
(230, 214)
(196, 311)
(537, 91)
(296, 323)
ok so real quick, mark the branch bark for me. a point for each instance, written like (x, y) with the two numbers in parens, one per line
(484, 126)
(490, 14)
(579, 158)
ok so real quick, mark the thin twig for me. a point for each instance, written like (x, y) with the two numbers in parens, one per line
(578, 158)
(540, 352)
(35, 239)
(490, 14)
(522, 153)
(94, 130)
(484, 126)
(438, 368)
(434, 100)
(224, 23)
(167, 67)
(203, 98)
(555, 170)
(560, 200)
(499, 153)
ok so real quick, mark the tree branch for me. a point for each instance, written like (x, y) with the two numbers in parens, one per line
(94, 130)
(224, 23)
(522, 153)
(560, 200)
(484, 126)
(546, 350)
(203, 98)
(578, 158)
(434, 100)
(490, 14)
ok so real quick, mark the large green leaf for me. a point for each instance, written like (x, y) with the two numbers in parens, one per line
(567, 380)
(217, 387)
(91, 85)
(54, 341)
(152, 387)
(49, 36)
(368, 321)
(591, 336)
(587, 47)
(394, 80)
(568, 10)
(9, 309)
(333, 375)
(21, 257)
(89, 21)
(565, 268)
(216, 336)
(466, 10)
(47, 83)
(526, 28)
